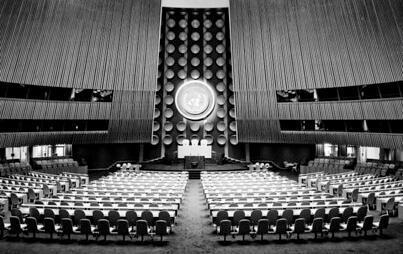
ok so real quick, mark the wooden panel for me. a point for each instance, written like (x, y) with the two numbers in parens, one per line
(300, 44)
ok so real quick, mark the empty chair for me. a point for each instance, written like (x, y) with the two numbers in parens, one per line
(15, 201)
(131, 217)
(334, 225)
(149, 217)
(123, 228)
(281, 227)
(86, 228)
(306, 215)
(97, 215)
(103, 228)
(142, 229)
(371, 201)
(33, 212)
(63, 213)
(224, 228)
(298, 227)
(334, 212)
(390, 206)
(354, 195)
(113, 217)
(262, 227)
(238, 216)
(66, 227)
(243, 228)
(161, 228)
(15, 226)
(320, 213)
(78, 215)
(347, 213)
(32, 226)
(272, 217)
(164, 215)
(288, 214)
(17, 212)
(361, 213)
(255, 216)
(48, 213)
(351, 225)
(382, 224)
(49, 226)
(317, 227)
(368, 224)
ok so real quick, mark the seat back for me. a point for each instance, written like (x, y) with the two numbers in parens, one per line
(97, 215)
(361, 213)
(371, 198)
(317, 225)
(384, 221)
(334, 212)
(281, 226)
(160, 227)
(354, 195)
(164, 215)
(255, 216)
(306, 215)
(221, 215)
(16, 212)
(85, 226)
(15, 225)
(113, 217)
(390, 204)
(67, 226)
(272, 217)
(32, 224)
(131, 217)
(49, 225)
(299, 225)
(78, 215)
(103, 227)
(148, 216)
(14, 199)
(244, 227)
(351, 224)
(335, 224)
(368, 222)
(33, 212)
(225, 227)
(122, 227)
(141, 227)
(288, 214)
(48, 213)
(320, 213)
(64, 214)
(347, 213)
(238, 216)
(31, 194)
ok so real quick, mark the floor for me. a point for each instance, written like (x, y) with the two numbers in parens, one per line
(194, 234)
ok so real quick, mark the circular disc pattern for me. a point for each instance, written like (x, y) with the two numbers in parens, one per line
(155, 140)
(182, 48)
(157, 113)
(221, 126)
(195, 36)
(195, 23)
(195, 127)
(168, 126)
(209, 139)
(233, 140)
(167, 140)
(179, 139)
(181, 126)
(208, 126)
(208, 36)
(195, 74)
(195, 100)
(169, 87)
(168, 113)
(221, 140)
(195, 61)
(208, 61)
(220, 87)
(169, 100)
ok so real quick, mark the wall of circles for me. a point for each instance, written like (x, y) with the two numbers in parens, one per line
(194, 49)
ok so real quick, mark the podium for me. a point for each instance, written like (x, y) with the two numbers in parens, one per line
(194, 162)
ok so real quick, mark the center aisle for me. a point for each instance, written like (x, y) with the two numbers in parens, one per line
(193, 231)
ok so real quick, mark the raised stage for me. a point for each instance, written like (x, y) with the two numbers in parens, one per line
(194, 173)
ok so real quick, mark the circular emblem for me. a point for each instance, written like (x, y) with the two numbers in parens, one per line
(195, 100)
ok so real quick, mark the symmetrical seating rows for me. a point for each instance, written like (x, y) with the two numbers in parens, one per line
(57, 166)
(155, 196)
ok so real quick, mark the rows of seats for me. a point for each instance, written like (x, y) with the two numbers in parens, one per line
(99, 224)
(262, 202)
(327, 165)
(381, 193)
(7, 169)
(285, 225)
(57, 166)
(154, 196)
(21, 189)
(375, 168)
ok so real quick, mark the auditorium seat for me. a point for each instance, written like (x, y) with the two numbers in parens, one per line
(316, 227)
(123, 228)
(161, 229)
(298, 227)
(142, 229)
(382, 224)
(224, 228)
(243, 228)
(49, 226)
(281, 228)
